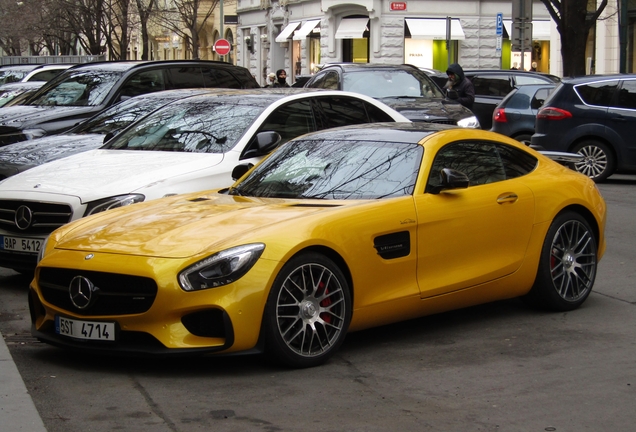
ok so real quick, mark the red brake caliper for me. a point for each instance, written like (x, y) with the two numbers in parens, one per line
(325, 303)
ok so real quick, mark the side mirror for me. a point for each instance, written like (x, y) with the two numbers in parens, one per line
(263, 143)
(240, 170)
(450, 179)
(108, 136)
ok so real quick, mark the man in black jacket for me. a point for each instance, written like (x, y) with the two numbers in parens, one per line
(459, 87)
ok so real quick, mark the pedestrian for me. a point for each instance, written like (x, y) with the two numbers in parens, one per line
(534, 67)
(281, 78)
(458, 87)
(271, 79)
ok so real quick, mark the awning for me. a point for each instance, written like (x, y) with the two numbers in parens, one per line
(540, 29)
(287, 31)
(305, 29)
(434, 28)
(352, 28)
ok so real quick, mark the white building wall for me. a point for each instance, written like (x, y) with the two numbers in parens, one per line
(607, 41)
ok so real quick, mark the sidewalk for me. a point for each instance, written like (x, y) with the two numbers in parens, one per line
(17, 411)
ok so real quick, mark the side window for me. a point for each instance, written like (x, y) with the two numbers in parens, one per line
(492, 85)
(144, 82)
(539, 98)
(376, 114)
(516, 162)
(627, 95)
(340, 111)
(599, 94)
(46, 75)
(291, 120)
(480, 161)
(185, 77)
(327, 81)
(528, 79)
(219, 78)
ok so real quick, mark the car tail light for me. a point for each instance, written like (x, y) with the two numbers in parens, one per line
(551, 113)
(499, 115)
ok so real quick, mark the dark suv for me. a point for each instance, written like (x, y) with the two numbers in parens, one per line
(404, 88)
(83, 90)
(594, 116)
(492, 85)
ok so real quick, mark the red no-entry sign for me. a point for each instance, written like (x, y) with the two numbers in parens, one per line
(222, 47)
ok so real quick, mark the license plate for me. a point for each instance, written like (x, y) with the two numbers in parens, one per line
(21, 244)
(80, 329)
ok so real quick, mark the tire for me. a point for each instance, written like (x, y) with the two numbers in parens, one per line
(524, 138)
(599, 161)
(307, 312)
(567, 266)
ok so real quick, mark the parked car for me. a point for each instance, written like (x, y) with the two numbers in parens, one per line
(84, 90)
(594, 116)
(516, 113)
(9, 92)
(30, 72)
(492, 85)
(189, 145)
(336, 231)
(88, 135)
(403, 87)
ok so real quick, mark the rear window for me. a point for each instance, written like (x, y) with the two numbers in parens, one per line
(492, 85)
(598, 93)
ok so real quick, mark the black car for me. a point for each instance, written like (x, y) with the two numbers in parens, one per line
(404, 88)
(517, 112)
(492, 85)
(594, 116)
(84, 90)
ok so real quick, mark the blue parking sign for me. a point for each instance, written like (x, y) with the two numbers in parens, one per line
(499, 26)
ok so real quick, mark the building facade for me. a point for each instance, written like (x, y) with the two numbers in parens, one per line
(298, 35)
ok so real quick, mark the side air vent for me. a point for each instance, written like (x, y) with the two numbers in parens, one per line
(393, 245)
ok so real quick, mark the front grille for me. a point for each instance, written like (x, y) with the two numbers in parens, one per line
(43, 217)
(117, 294)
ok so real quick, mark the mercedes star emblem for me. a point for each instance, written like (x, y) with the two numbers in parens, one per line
(82, 292)
(23, 217)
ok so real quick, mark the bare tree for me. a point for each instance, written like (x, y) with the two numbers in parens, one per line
(17, 21)
(191, 14)
(86, 19)
(574, 21)
(144, 9)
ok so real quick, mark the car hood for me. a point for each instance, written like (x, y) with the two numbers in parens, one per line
(46, 149)
(188, 225)
(98, 174)
(26, 116)
(428, 110)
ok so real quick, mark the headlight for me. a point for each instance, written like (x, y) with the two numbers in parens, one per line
(33, 133)
(112, 202)
(469, 122)
(221, 268)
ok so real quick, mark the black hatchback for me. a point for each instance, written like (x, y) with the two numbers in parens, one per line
(405, 88)
(594, 116)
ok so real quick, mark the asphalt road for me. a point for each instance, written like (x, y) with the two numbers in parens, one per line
(496, 367)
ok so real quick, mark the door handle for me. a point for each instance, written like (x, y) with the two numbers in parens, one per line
(507, 198)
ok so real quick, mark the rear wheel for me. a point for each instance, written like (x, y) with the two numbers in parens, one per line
(308, 311)
(524, 138)
(567, 267)
(598, 160)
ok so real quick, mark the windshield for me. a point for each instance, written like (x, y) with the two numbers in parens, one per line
(391, 83)
(7, 96)
(196, 126)
(12, 75)
(82, 88)
(119, 116)
(335, 169)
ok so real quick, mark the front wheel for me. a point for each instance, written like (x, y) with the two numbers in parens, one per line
(308, 311)
(567, 267)
(598, 160)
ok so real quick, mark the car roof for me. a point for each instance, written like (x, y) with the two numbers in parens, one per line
(596, 78)
(391, 132)
(137, 64)
(369, 66)
(551, 77)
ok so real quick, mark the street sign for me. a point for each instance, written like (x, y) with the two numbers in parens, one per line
(222, 47)
(499, 27)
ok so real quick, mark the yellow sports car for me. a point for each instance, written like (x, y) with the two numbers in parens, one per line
(336, 231)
